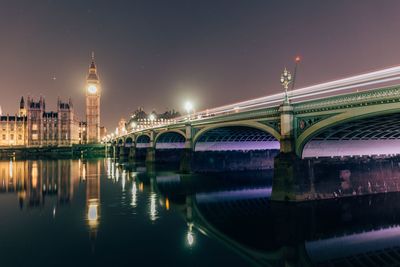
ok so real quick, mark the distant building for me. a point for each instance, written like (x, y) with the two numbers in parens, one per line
(34, 126)
(140, 119)
(93, 104)
(103, 132)
(121, 129)
(82, 132)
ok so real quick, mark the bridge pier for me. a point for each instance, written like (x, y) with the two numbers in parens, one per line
(150, 155)
(150, 151)
(187, 154)
(186, 161)
(122, 152)
(132, 152)
(118, 151)
(287, 135)
(291, 181)
(113, 151)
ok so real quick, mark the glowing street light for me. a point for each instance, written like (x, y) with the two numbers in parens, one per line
(188, 108)
(152, 117)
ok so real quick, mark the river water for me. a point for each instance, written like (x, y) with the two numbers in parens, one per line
(100, 212)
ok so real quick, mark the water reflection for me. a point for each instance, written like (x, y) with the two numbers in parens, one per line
(92, 171)
(33, 181)
(229, 212)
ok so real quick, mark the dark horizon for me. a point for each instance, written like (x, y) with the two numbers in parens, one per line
(157, 54)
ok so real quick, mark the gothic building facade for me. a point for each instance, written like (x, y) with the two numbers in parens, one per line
(34, 126)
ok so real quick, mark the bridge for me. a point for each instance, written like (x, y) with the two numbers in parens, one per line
(354, 116)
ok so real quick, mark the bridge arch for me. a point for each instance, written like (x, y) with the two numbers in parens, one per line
(129, 141)
(120, 141)
(170, 139)
(143, 140)
(357, 131)
(236, 136)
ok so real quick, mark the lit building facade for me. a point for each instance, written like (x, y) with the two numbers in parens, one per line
(140, 119)
(36, 180)
(34, 126)
(93, 104)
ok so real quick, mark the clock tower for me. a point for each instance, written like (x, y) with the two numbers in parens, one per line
(93, 104)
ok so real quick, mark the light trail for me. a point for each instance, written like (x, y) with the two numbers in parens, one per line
(362, 80)
(366, 79)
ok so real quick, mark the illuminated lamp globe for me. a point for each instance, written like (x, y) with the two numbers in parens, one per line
(188, 106)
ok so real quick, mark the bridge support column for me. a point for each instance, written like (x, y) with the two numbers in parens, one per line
(291, 181)
(113, 151)
(151, 152)
(132, 152)
(187, 154)
(287, 133)
(118, 151)
(121, 151)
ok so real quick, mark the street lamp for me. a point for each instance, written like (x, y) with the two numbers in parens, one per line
(152, 117)
(188, 108)
(286, 79)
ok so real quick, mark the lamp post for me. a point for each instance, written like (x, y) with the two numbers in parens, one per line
(286, 79)
(188, 108)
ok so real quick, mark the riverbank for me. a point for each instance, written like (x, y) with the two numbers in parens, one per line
(97, 150)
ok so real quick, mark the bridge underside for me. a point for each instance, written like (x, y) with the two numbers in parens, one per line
(236, 138)
(170, 140)
(378, 135)
(143, 141)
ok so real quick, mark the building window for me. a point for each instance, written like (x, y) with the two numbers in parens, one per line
(12, 137)
(4, 137)
(19, 137)
(34, 137)
(34, 127)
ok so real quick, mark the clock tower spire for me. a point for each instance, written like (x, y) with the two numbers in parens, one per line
(93, 104)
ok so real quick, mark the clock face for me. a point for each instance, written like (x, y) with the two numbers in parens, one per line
(92, 89)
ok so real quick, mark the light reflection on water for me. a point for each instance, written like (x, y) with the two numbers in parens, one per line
(87, 212)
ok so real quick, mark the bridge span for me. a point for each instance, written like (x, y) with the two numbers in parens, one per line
(346, 117)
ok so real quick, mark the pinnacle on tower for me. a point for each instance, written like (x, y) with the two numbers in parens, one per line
(92, 76)
(22, 103)
(93, 65)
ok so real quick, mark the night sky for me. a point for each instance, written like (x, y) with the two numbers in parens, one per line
(157, 54)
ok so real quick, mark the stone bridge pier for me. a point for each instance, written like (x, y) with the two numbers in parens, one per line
(287, 137)
(132, 151)
(150, 151)
(187, 154)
